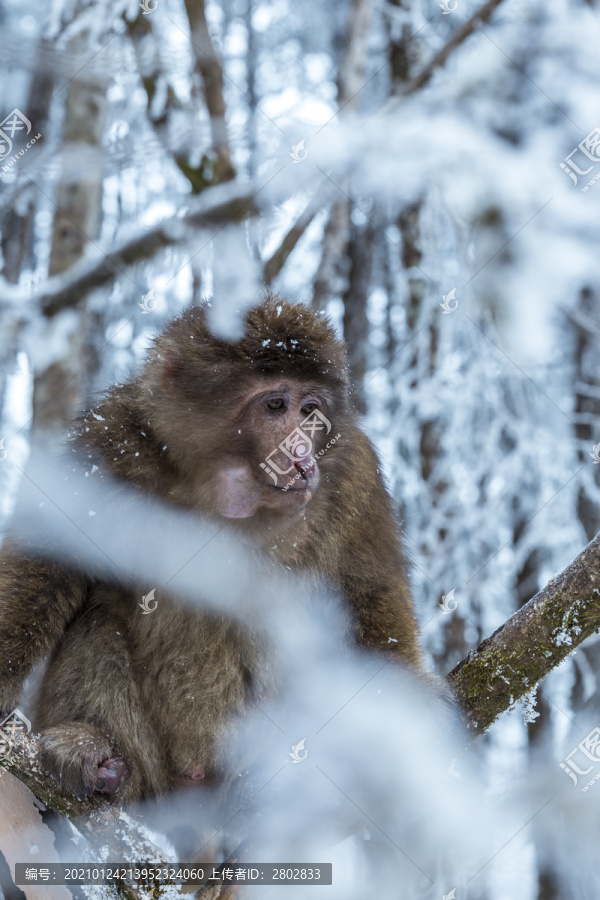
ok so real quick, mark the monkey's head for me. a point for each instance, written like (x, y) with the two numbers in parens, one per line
(251, 424)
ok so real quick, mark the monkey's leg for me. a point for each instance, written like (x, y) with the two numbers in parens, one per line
(37, 600)
(96, 733)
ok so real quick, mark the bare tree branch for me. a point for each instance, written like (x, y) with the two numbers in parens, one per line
(332, 275)
(352, 70)
(361, 250)
(145, 36)
(208, 66)
(461, 34)
(582, 322)
(532, 642)
(331, 279)
(275, 264)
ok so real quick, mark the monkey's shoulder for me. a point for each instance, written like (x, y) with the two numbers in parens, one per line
(115, 438)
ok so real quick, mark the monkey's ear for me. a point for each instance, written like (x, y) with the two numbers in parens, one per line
(171, 371)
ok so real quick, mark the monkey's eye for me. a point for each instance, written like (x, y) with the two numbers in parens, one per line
(276, 403)
(309, 407)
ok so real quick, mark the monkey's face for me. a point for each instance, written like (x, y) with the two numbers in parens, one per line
(280, 428)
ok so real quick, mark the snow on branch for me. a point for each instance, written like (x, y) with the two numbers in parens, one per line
(223, 203)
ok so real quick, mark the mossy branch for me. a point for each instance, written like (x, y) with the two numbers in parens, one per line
(535, 640)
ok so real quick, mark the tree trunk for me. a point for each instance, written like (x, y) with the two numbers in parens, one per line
(56, 393)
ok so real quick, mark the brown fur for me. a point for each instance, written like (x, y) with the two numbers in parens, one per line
(158, 690)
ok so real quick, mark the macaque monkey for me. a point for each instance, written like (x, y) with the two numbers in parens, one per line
(259, 434)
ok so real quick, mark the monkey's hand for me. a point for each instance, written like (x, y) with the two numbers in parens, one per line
(82, 758)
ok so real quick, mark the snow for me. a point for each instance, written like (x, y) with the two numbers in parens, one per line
(475, 413)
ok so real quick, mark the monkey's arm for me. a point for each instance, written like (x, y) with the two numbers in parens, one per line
(38, 598)
(372, 567)
(383, 614)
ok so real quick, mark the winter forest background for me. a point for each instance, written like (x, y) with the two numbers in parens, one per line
(403, 167)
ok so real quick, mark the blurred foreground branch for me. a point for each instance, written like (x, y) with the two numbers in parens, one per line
(488, 681)
(532, 642)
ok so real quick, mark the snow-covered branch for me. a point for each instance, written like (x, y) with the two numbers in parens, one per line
(110, 833)
(221, 204)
